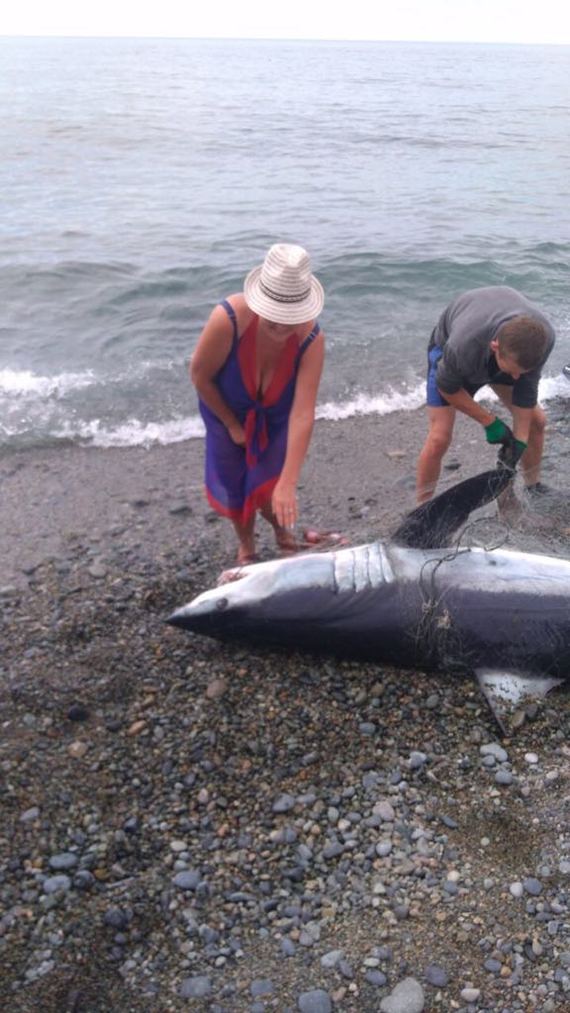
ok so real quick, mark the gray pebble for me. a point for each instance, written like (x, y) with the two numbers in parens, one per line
(187, 880)
(504, 777)
(56, 884)
(376, 978)
(386, 811)
(331, 958)
(283, 804)
(84, 880)
(406, 997)
(436, 976)
(196, 988)
(66, 860)
(315, 1001)
(180, 507)
(98, 570)
(449, 822)
(261, 986)
(116, 918)
(470, 994)
(367, 728)
(532, 886)
(30, 814)
(332, 849)
(383, 848)
(494, 966)
(494, 749)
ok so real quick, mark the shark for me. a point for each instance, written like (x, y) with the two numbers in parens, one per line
(501, 615)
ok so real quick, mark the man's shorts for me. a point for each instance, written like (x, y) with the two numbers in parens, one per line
(434, 399)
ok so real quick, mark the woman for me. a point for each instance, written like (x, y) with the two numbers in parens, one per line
(256, 368)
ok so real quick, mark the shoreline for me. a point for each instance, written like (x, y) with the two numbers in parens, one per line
(359, 478)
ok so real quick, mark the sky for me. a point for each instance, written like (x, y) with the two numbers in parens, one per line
(515, 21)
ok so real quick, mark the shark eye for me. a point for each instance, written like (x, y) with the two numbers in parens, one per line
(221, 604)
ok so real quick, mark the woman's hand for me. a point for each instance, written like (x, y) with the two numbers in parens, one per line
(237, 434)
(284, 504)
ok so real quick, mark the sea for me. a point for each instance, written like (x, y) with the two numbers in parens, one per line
(141, 179)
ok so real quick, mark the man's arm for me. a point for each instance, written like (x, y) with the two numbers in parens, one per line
(466, 404)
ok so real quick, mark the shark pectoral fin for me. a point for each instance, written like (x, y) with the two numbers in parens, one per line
(504, 690)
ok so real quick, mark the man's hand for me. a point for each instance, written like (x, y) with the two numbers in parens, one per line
(509, 456)
(498, 432)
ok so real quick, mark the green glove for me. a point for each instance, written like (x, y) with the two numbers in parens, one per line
(498, 432)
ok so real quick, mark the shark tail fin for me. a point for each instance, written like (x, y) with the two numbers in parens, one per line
(433, 524)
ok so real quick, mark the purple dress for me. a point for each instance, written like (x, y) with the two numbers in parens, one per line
(241, 480)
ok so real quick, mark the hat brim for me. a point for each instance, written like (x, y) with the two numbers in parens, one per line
(282, 312)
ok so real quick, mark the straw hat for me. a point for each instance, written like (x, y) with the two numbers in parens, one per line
(282, 289)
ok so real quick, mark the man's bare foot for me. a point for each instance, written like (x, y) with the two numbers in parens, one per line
(509, 507)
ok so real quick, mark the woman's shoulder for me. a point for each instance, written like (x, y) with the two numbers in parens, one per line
(311, 328)
(241, 309)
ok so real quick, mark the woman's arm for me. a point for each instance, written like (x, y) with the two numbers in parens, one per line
(301, 421)
(214, 346)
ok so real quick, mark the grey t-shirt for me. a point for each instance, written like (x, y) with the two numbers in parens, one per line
(465, 330)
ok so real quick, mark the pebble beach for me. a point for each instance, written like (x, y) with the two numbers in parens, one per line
(189, 825)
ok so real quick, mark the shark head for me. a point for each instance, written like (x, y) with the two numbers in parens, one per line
(253, 591)
(266, 599)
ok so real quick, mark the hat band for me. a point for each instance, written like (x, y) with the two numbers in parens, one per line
(280, 297)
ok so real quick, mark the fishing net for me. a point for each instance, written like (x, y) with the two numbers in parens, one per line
(533, 521)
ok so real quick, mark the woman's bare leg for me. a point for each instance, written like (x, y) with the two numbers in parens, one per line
(284, 537)
(246, 539)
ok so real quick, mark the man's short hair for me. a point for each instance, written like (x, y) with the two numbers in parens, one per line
(525, 340)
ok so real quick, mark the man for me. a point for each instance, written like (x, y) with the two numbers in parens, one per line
(487, 336)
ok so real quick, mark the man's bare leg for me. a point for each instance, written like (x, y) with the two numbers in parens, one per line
(532, 422)
(531, 461)
(440, 422)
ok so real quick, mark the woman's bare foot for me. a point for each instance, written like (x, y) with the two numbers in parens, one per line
(246, 556)
(324, 539)
(286, 541)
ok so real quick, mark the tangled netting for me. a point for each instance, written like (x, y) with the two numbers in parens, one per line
(538, 522)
